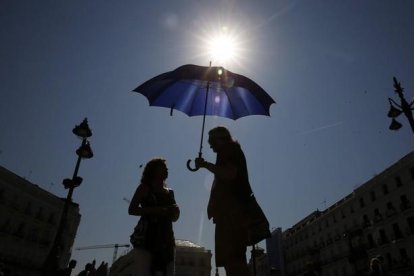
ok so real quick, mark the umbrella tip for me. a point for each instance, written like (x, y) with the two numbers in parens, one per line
(172, 108)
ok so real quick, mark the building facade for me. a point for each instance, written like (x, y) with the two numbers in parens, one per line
(190, 260)
(274, 250)
(259, 266)
(375, 220)
(29, 217)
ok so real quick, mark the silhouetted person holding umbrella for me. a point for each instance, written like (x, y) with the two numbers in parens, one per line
(229, 195)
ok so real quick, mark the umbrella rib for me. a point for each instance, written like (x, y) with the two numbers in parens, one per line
(200, 88)
(231, 104)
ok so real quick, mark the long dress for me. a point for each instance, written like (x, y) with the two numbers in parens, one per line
(159, 238)
(225, 207)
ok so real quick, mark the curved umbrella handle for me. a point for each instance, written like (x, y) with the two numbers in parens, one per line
(189, 167)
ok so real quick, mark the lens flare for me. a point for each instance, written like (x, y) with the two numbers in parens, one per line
(221, 45)
(222, 48)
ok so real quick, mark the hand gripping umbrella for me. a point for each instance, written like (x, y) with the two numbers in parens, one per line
(200, 90)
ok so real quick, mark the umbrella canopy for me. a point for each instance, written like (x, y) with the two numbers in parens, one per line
(200, 90)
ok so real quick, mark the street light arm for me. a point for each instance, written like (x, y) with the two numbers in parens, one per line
(393, 102)
(397, 86)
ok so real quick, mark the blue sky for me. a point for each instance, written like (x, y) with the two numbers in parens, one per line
(328, 64)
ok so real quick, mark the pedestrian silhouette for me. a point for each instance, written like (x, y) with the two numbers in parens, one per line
(153, 237)
(238, 218)
(68, 271)
(88, 269)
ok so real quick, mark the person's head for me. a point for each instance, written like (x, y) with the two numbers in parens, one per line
(154, 169)
(218, 137)
(375, 264)
(72, 264)
(88, 267)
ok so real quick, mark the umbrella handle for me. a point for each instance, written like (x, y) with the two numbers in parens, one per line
(189, 167)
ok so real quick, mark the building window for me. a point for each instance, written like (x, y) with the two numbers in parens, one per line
(371, 242)
(51, 219)
(383, 237)
(389, 259)
(28, 210)
(366, 221)
(377, 215)
(39, 214)
(19, 230)
(404, 260)
(2, 195)
(15, 202)
(385, 189)
(398, 181)
(33, 235)
(5, 227)
(390, 209)
(397, 231)
(373, 197)
(410, 222)
(405, 203)
(361, 202)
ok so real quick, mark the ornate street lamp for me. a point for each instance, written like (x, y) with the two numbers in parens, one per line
(83, 131)
(396, 109)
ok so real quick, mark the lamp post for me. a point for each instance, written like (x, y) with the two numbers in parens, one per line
(83, 131)
(396, 109)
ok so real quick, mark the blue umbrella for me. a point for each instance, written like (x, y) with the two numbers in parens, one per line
(200, 90)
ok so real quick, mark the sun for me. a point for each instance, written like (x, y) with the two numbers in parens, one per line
(221, 45)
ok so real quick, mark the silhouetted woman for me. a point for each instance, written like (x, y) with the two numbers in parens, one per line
(153, 236)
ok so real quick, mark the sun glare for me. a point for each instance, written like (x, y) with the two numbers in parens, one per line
(222, 48)
(222, 44)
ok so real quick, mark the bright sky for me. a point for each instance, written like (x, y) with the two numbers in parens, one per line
(328, 64)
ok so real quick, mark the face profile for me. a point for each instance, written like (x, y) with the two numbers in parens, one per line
(218, 137)
(215, 143)
(162, 171)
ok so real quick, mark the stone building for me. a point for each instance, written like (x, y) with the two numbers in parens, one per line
(259, 266)
(275, 252)
(29, 217)
(375, 220)
(191, 260)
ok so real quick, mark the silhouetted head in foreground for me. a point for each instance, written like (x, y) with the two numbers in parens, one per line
(154, 169)
(72, 264)
(218, 137)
